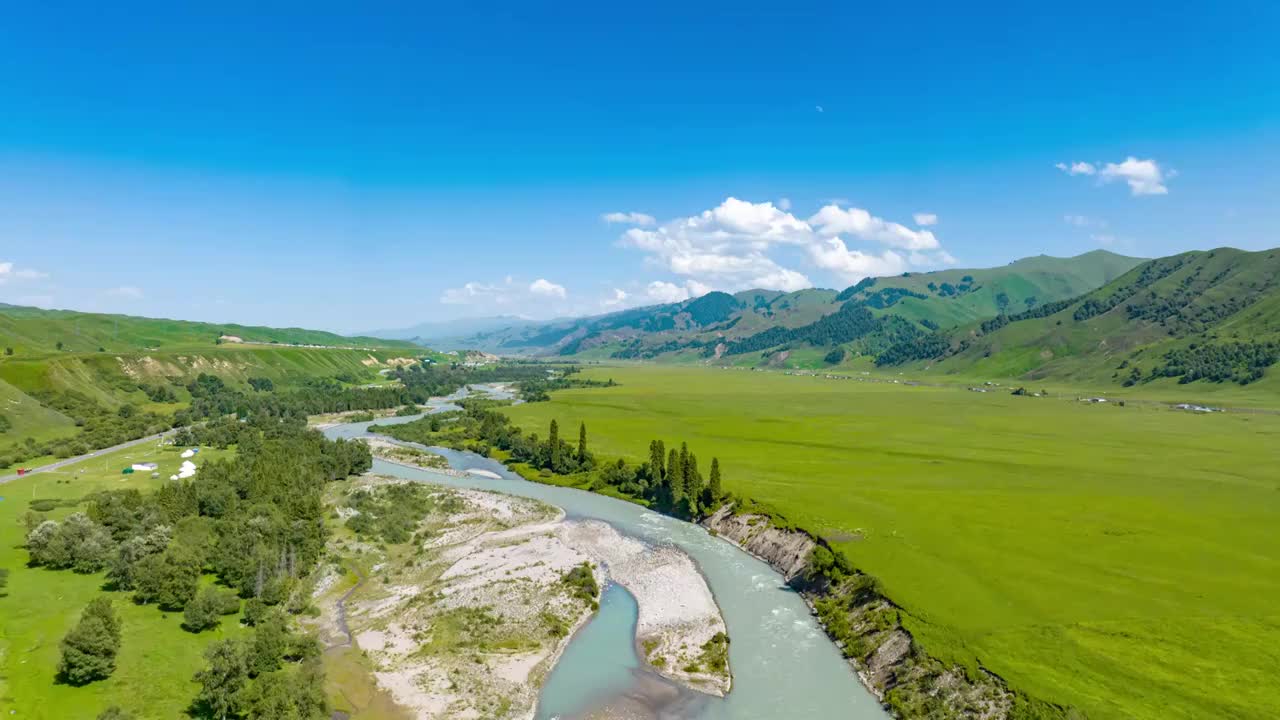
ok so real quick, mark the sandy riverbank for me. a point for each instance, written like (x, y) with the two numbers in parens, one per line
(328, 420)
(406, 455)
(409, 456)
(680, 632)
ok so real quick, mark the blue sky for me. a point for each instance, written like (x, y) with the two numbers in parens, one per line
(417, 161)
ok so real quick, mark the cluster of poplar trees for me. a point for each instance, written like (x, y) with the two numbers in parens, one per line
(670, 480)
(676, 484)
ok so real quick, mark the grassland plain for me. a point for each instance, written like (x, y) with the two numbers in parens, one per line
(157, 657)
(1120, 560)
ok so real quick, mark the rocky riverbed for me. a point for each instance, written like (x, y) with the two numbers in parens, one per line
(466, 618)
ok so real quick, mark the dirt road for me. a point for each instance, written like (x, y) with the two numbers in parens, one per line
(86, 456)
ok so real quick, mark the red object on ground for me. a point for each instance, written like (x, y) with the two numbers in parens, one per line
(22, 471)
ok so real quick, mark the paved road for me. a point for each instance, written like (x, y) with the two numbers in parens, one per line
(86, 456)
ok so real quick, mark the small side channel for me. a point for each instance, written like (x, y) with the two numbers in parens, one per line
(599, 663)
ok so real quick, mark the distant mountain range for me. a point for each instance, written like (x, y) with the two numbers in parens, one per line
(759, 320)
(1098, 318)
(450, 334)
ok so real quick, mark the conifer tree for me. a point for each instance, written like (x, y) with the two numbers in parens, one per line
(582, 443)
(89, 650)
(692, 484)
(657, 456)
(553, 447)
(673, 482)
(714, 491)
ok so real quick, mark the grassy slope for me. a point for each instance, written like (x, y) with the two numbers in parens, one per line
(111, 379)
(1088, 352)
(157, 657)
(794, 309)
(28, 417)
(32, 330)
(1121, 560)
(1044, 278)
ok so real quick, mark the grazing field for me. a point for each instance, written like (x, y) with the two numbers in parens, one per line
(157, 657)
(1124, 561)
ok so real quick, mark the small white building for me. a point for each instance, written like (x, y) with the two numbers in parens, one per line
(1190, 407)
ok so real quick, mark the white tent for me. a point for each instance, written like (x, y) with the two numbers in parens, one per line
(188, 453)
(187, 470)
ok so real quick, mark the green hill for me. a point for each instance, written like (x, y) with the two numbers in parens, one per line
(954, 297)
(1204, 317)
(63, 373)
(50, 397)
(29, 330)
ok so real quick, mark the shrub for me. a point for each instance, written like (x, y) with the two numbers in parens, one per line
(582, 584)
(207, 606)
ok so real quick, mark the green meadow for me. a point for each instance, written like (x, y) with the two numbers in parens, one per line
(157, 657)
(1124, 561)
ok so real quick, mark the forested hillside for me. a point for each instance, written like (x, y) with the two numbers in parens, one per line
(1211, 316)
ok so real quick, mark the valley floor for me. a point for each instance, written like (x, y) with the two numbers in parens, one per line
(1084, 552)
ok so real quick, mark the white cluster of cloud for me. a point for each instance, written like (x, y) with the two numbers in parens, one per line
(1084, 221)
(546, 288)
(834, 220)
(471, 292)
(8, 271)
(128, 292)
(628, 218)
(733, 246)
(617, 298)
(1144, 177)
(1077, 168)
(661, 291)
(507, 293)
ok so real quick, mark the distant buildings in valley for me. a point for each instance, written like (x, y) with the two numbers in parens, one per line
(1190, 407)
